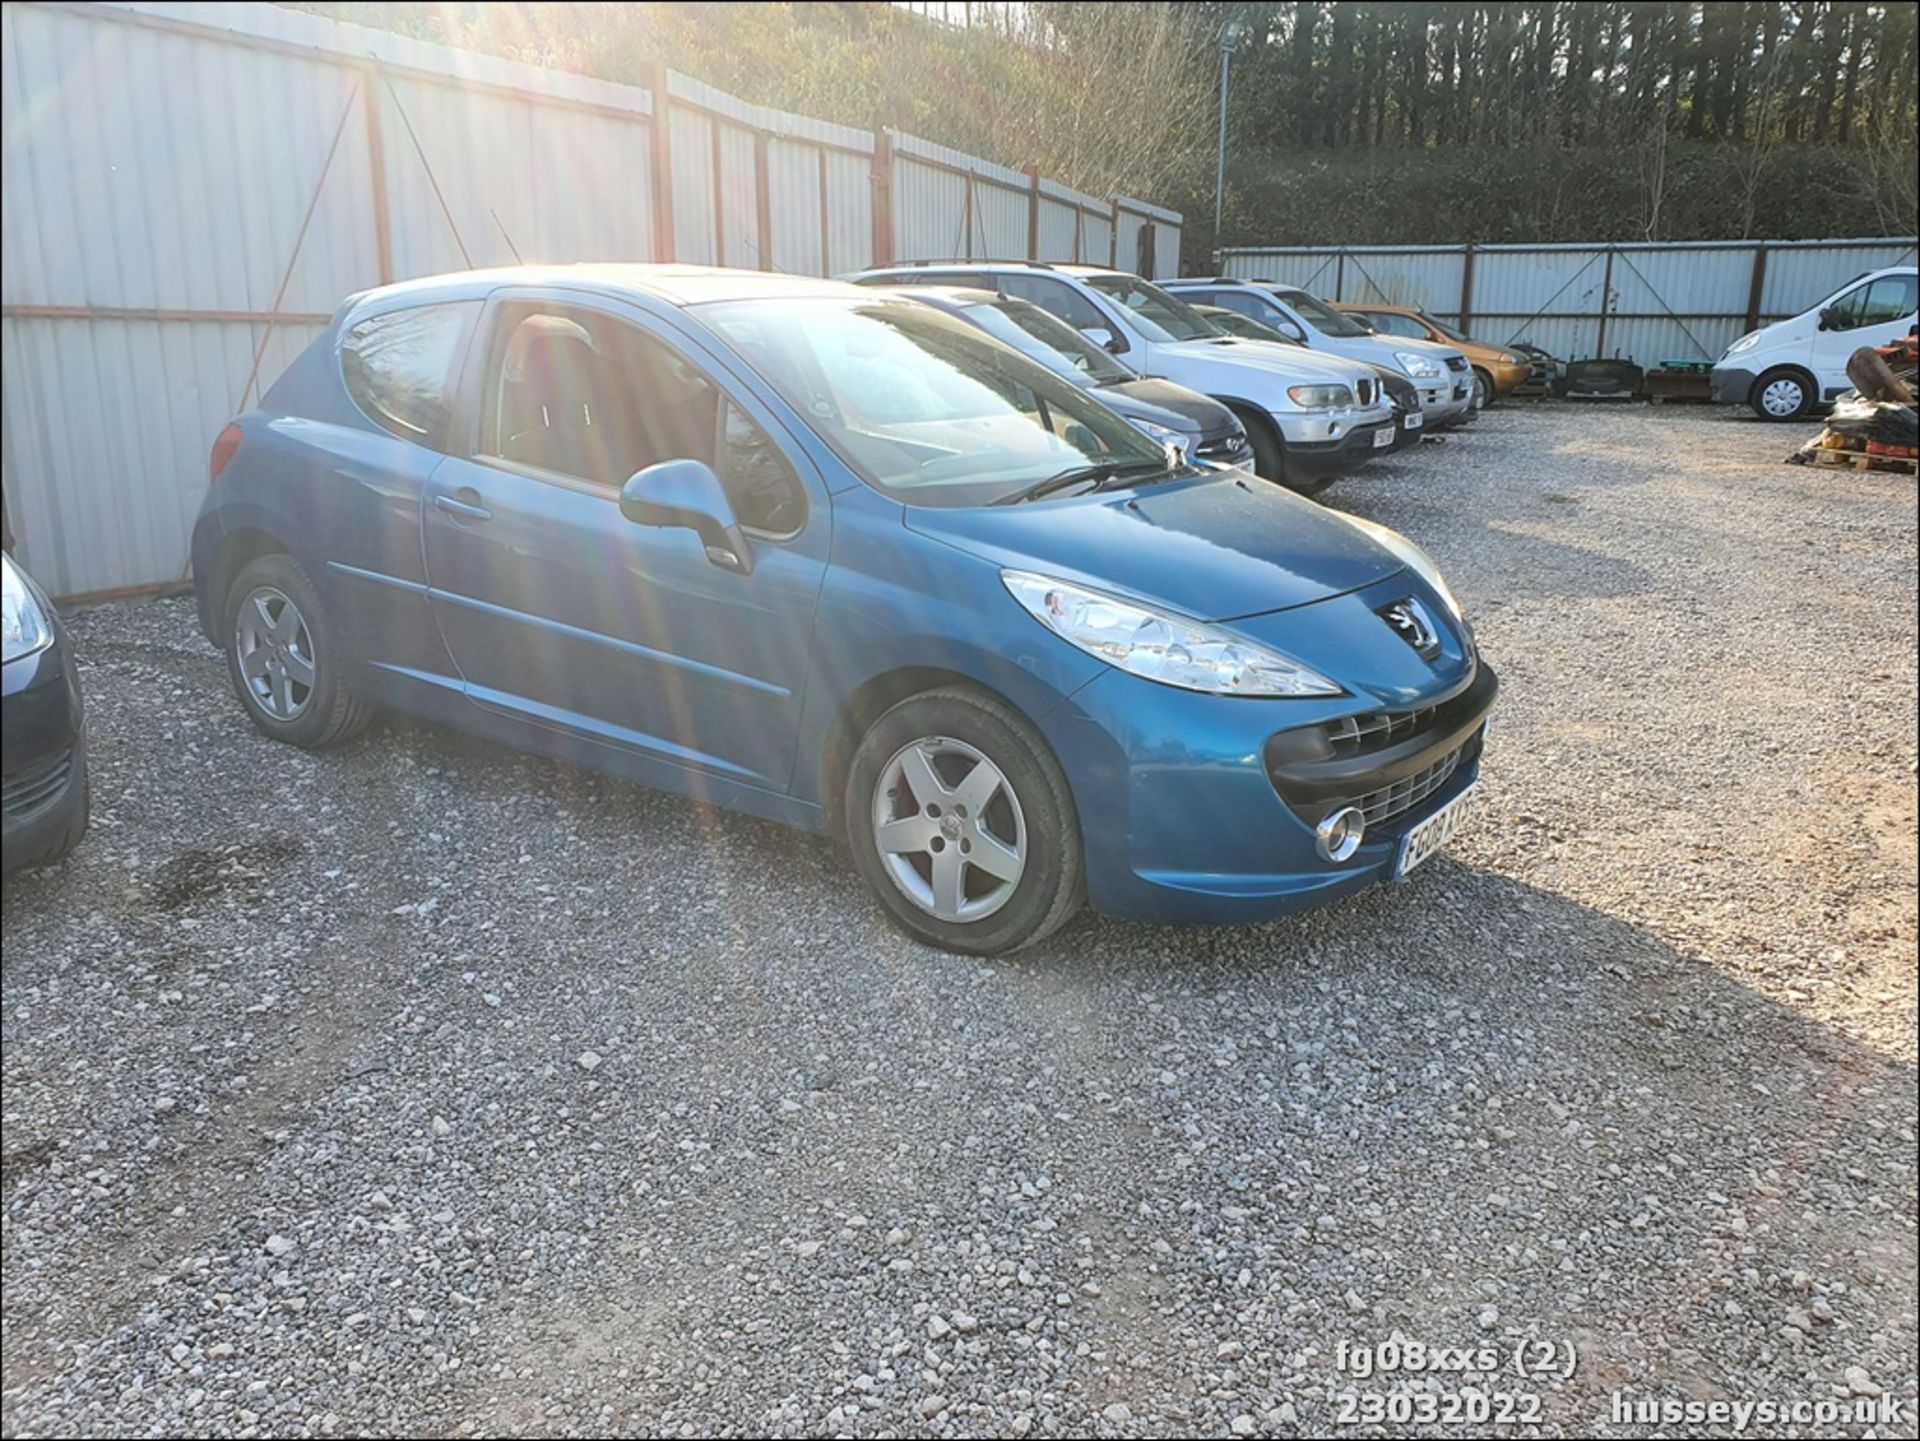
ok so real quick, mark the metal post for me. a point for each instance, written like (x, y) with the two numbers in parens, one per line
(1220, 166)
(1757, 288)
(1606, 298)
(1033, 212)
(1340, 277)
(882, 197)
(662, 161)
(1466, 290)
(763, 199)
(377, 174)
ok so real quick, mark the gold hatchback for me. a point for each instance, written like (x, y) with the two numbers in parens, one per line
(1496, 370)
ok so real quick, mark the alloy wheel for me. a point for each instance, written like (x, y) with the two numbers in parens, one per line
(275, 652)
(949, 828)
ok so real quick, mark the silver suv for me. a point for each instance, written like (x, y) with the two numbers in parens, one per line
(1441, 373)
(1310, 417)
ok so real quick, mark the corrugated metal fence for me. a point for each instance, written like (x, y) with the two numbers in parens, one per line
(190, 189)
(1646, 302)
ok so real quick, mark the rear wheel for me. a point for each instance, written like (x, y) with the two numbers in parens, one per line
(961, 822)
(1781, 395)
(282, 657)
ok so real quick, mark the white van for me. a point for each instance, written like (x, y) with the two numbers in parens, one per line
(1783, 370)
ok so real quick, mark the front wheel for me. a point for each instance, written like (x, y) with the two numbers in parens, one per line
(1781, 395)
(961, 822)
(1483, 392)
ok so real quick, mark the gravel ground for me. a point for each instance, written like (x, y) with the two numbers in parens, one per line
(420, 1087)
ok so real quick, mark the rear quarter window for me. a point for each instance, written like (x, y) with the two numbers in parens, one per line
(401, 367)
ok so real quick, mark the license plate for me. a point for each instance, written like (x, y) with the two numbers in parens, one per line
(1413, 420)
(1430, 837)
(1383, 438)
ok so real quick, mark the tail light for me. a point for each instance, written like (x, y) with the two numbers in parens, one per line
(226, 445)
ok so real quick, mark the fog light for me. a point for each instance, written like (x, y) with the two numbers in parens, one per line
(1339, 835)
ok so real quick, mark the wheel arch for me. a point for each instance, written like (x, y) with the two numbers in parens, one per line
(225, 559)
(871, 699)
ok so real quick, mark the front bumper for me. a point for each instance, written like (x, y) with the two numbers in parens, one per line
(43, 761)
(1188, 814)
(1732, 385)
(1354, 446)
(1508, 378)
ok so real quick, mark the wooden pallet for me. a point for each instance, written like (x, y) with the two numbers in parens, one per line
(1860, 460)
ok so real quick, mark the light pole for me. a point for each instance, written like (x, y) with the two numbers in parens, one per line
(1228, 37)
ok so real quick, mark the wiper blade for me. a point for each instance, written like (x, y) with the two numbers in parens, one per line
(1095, 477)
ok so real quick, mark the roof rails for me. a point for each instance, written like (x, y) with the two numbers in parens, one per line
(964, 260)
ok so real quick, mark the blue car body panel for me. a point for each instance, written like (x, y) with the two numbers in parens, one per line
(555, 625)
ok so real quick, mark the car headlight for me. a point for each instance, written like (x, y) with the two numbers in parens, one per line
(1412, 557)
(1415, 363)
(1171, 440)
(1511, 357)
(26, 625)
(1320, 397)
(1745, 342)
(1159, 645)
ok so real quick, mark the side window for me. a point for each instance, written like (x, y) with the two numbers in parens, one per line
(1393, 323)
(400, 368)
(1878, 302)
(590, 396)
(1246, 302)
(1056, 297)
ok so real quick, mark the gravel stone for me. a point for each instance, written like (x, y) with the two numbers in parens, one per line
(1640, 1045)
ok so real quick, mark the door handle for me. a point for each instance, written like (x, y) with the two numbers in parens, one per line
(466, 505)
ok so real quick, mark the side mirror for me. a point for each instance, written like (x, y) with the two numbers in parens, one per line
(1292, 332)
(1104, 338)
(1827, 320)
(687, 494)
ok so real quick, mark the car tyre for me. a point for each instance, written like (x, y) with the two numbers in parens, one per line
(283, 660)
(914, 773)
(1270, 457)
(1781, 395)
(1484, 394)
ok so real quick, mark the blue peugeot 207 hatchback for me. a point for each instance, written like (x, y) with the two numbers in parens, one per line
(837, 559)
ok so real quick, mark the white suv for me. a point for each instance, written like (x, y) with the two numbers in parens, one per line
(1440, 372)
(1310, 417)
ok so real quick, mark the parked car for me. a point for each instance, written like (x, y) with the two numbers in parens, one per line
(1497, 370)
(43, 749)
(1404, 396)
(1310, 418)
(1441, 372)
(842, 561)
(1173, 415)
(1783, 370)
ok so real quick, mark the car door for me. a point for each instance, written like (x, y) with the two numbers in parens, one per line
(400, 367)
(1872, 313)
(556, 608)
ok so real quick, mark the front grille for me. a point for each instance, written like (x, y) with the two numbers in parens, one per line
(26, 794)
(1383, 805)
(1456, 362)
(1366, 389)
(1226, 448)
(1353, 734)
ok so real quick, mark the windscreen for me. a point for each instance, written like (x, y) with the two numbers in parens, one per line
(924, 406)
(1158, 315)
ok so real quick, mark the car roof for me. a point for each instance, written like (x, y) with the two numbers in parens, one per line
(676, 284)
(955, 296)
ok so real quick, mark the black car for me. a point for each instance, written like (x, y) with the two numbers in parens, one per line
(43, 793)
(1171, 414)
